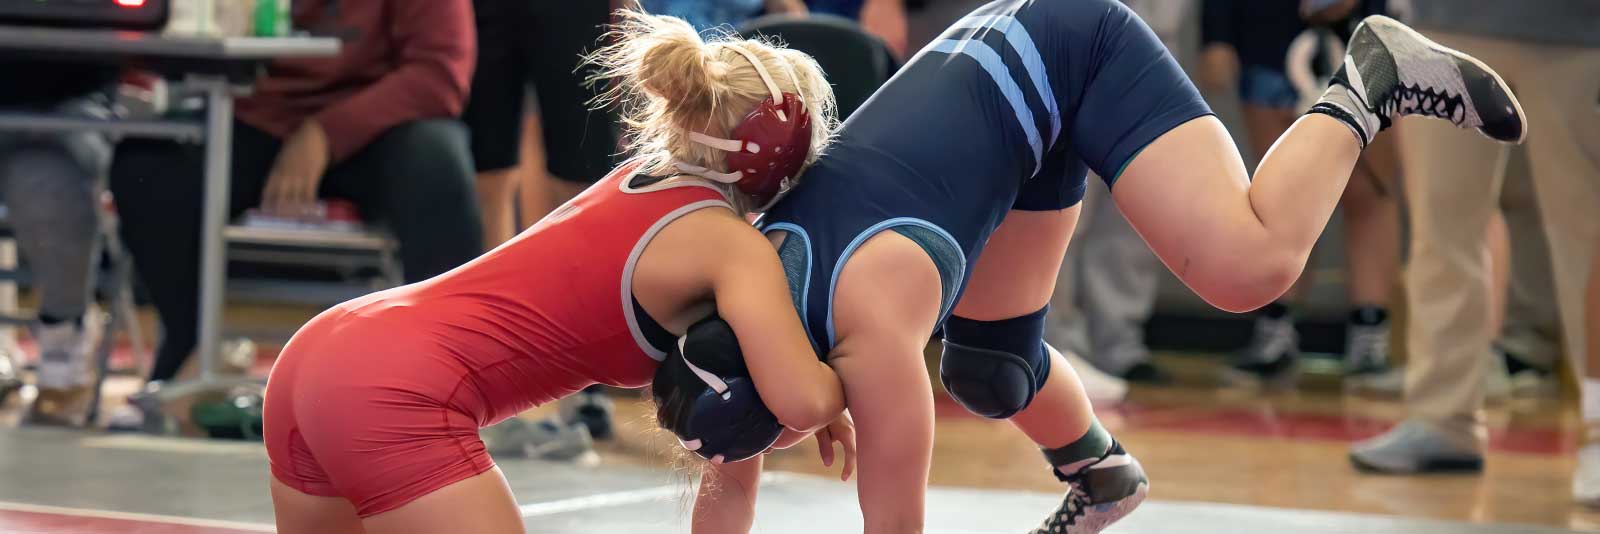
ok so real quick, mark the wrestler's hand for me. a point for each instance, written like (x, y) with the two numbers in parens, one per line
(842, 430)
(291, 189)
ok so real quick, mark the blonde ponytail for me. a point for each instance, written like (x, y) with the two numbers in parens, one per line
(669, 81)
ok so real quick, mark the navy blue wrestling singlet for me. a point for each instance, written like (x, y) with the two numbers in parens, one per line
(1006, 110)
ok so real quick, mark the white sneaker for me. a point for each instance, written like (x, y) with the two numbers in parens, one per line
(1586, 480)
(64, 352)
(1102, 389)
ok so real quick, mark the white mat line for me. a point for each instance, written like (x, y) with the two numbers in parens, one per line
(626, 497)
(132, 516)
(601, 500)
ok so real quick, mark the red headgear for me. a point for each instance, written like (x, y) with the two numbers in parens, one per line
(768, 148)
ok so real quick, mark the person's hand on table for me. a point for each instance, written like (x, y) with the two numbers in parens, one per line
(291, 189)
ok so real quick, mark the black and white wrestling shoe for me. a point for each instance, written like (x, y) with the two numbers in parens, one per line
(1391, 71)
(1103, 491)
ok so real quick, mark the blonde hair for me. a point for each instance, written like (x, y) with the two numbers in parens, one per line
(670, 82)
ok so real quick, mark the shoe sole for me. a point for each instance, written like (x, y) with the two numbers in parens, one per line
(1101, 516)
(1457, 466)
(1398, 26)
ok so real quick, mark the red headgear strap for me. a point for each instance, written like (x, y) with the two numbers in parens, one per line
(768, 147)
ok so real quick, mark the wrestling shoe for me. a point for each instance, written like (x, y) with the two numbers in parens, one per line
(590, 408)
(1271, 361)
(1103, 491)
(1391, 71)
(543, 440)
(1366, 349)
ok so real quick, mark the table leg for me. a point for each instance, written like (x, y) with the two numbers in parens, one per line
(213, 263)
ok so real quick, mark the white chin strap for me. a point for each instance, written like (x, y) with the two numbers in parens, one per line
(711, 379)
(733, 145)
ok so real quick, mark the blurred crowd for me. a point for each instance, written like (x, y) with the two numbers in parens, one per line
(456, 123)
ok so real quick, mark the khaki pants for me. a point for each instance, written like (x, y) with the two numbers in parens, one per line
(1453, 180)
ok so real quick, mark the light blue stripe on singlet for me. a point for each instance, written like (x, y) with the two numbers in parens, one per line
(996, 67)
(844, 257)
(796, 232)
(1017, 36)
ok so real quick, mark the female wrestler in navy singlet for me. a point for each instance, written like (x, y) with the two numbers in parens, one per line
(948, 199)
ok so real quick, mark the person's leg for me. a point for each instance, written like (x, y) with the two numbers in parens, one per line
(493, 115)
(299, 513)
(496, 192)
(1270, 358)
(1117, 287)
(417, 179)
(51, 188)
(726, 500)
(885, 306)
(578, 141)
(534, 198)
(1010, 282)
(1452, 181)
(482, 503)
(1067, 323)
(1530, 335)
(1372, 255)
(158, 187)
(1563, 155)
(1200, 211)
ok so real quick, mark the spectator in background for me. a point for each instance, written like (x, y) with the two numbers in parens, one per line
(708, 14)
(542, 44)
(373, 125)
(50, 185)
(538, 43)
(1247, 42)
(1107, 285)
(883, 18)
(1551, 53)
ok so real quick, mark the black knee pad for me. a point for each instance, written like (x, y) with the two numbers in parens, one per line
(994, 368)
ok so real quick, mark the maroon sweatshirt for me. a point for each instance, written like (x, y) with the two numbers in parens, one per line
(400, 61)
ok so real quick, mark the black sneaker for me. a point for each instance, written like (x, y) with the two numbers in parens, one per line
(1391, 71)
(592, 409)
(1101, 493)
(1271, 361)
(1366, 349)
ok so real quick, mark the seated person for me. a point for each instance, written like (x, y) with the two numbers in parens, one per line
(373, 125)
(727, 14)
(49, 184)
(884, 18)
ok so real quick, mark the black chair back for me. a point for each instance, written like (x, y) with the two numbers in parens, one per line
(856, 63)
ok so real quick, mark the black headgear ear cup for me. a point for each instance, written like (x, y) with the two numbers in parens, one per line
(716, 412)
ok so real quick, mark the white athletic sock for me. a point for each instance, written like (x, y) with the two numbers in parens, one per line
(1347, 105)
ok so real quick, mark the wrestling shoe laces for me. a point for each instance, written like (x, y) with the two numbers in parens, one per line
(1099, 494)
(1417, 100)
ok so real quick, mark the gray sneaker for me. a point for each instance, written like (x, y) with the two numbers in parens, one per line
(1416, 447)
(543, 440)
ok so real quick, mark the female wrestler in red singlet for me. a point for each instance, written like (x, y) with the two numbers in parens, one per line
(373, 408)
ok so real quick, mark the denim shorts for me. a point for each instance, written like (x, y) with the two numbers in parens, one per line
(1265, 87)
